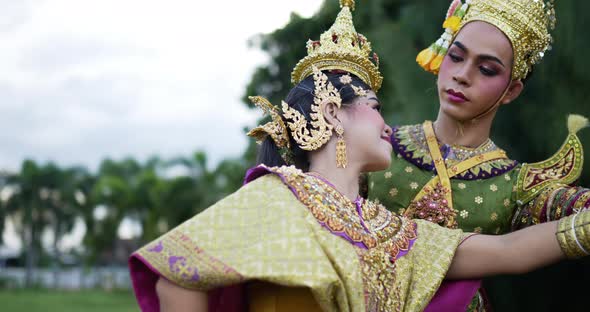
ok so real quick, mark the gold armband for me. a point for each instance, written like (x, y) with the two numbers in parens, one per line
(573, 235)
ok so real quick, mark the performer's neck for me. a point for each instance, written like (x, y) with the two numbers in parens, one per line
(468, 133)
(346, 181)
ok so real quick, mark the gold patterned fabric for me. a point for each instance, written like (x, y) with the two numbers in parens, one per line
(293, 229)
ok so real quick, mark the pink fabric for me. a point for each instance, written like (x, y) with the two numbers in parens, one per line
(453, 296)
(144, 278)
(228, 299)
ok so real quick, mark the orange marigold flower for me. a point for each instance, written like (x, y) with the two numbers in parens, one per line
(425, 57)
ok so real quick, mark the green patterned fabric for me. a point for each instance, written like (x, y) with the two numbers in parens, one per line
(483, 206)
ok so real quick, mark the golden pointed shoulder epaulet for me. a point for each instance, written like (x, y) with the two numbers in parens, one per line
(563, 167)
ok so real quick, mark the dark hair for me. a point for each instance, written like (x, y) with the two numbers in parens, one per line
(301, 98)
(526, 79)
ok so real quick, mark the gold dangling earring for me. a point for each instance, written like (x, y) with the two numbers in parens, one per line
(341, 160)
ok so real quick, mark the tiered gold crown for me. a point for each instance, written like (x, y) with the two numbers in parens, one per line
(341, 48)
(526, 23)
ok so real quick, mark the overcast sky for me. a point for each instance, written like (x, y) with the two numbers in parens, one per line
(82, 80)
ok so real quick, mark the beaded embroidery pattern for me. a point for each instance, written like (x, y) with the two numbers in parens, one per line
(384, 235)
(410, 143)
(362, 222)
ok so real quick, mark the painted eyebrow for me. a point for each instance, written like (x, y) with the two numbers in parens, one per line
(375, 99)
(484, 57)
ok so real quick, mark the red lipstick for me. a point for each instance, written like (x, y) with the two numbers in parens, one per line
(456, 96)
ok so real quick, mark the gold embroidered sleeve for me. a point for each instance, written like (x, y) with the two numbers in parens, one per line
(553, 203)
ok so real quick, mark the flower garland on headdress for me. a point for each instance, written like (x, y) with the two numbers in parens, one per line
(526, 23)
(431, 58)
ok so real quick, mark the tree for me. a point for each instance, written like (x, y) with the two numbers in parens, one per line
(113, 197)
(33, 205)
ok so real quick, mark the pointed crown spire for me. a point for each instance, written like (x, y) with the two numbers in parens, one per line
(341, 48)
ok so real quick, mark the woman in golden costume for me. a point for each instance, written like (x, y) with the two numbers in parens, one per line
(300, 238)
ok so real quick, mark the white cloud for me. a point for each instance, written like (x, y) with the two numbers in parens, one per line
(84, 80)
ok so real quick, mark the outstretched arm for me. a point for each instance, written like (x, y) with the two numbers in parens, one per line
(174, 298)
(514, 253)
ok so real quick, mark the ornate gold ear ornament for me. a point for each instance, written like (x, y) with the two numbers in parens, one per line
(313, 135)
(275, 128)
(341, 160)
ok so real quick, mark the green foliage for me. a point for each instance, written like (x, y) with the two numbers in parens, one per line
(93, 300)
(48, 197)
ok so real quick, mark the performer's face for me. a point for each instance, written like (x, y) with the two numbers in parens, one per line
(475, 72)
(366, 134)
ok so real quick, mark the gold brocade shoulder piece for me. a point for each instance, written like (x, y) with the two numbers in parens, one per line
(564, 167)
(373, 226)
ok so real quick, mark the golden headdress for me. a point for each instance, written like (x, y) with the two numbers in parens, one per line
(275, 128)
(342, 48)
(526, 23)
(311, 135)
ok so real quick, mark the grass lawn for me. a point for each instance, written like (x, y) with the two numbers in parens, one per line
(67, 301)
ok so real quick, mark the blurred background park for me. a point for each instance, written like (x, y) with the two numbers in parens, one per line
(121, 119)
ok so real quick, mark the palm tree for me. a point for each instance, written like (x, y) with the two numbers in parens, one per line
(62, 204)
(26, 209)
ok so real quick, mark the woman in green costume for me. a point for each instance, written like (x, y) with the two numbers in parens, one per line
(300, 237)
(449, 171)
